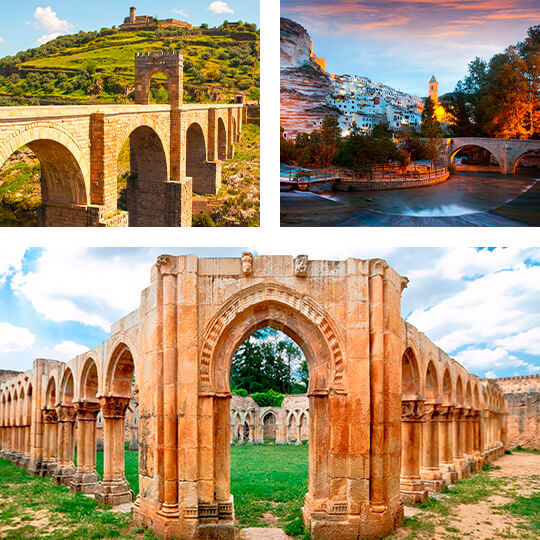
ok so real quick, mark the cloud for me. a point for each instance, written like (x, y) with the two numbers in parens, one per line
(11, 258)
(2, 40)
(93, 287)
(15, 338)
(69, 349)
(181, 12)
(46, 19)
(219, 7)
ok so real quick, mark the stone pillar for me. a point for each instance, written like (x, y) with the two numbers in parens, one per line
(66, 426)
(50, 425)
(446, 463)
(298, 436)
(86, 478)
(507, 162)
(412, 486)
(114, 488)
(469, 440)
(430, 471)
(459, 459)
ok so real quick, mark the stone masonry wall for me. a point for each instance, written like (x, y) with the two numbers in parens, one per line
(523, 397)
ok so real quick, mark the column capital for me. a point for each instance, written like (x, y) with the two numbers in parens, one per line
(432, 411)
(66, 413)
(412, 410)
(113, 407)
(49, 416)
(86, 410)
(446, 413)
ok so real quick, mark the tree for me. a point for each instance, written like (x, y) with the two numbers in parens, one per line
(430, 125)
(458, 109)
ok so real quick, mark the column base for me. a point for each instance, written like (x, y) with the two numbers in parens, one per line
(461, 468)
(25, 462)
(413, 491)
(48, 468)
(34, 469)
(435, 485)
(63, 476)
(114, 492)
(84, 482)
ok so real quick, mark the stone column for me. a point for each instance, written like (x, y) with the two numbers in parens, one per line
(412, 487)
(298, 436)
(114, 488)
(430, 471)
(86, 478)
(66, 425)
(446, 463)
(469, 440)
(459, 443)
(50, 425)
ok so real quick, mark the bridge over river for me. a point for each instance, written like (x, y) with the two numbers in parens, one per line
(175, 149)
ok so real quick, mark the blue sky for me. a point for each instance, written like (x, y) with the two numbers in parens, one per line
(25, 24)
(403, 43)
(481, 306)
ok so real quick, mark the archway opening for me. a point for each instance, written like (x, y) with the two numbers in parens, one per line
(528, 163)
(196, 166)
(39, 174)
(269, 429)
(472, 155)
(142, 172)
(222, 140)
(158, 84)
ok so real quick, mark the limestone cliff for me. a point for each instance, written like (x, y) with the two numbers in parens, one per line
(305, 87)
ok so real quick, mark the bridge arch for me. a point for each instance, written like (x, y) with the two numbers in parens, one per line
(65, 170)
(196, 165)
(464, 145)
(520, 156)
(222, 140)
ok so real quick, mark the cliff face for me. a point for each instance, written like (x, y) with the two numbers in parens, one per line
(305, 87)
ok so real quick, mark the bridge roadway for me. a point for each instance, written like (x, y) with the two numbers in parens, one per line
(175, 149)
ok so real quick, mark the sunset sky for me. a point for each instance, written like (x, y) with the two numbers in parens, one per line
(403, 43)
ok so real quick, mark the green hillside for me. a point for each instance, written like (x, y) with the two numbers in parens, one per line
(99, 66)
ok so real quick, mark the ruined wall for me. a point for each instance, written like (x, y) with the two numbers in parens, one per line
(6, 374)
(523, 397)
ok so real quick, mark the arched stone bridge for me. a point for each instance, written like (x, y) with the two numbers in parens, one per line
(175, 149)
(507, 152)
(391, 415)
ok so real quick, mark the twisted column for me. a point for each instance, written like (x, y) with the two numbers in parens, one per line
(86, 478)
(412, 486)
(114, 488)
(66, 426)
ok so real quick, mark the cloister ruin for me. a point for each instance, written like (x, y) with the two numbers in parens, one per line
(391, 415)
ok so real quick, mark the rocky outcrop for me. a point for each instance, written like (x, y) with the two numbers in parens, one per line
(305, 87)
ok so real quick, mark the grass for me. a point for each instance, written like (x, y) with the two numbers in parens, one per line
(527, 450)
(269, 479)
(529, 508)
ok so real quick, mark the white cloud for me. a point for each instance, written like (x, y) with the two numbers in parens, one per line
(93, 287)
(46, 19)
(69, 349)
(15, 338)
(181, 12)
(219, 8)
(528, 341)
(2, 40)
(11, 257)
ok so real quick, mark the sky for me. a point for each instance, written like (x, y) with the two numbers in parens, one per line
(403, 43)
(32, 23)
(482, 306)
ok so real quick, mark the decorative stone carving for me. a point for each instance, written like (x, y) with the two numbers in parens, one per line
(412, 410)
(247, 263)
(166, 264)
(114, 407)
(66, 414)
(301, 266)
(49, 416)
(86, 410)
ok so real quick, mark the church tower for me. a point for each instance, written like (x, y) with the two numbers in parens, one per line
(434, 90)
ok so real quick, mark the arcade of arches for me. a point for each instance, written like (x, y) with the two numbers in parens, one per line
(391, 416)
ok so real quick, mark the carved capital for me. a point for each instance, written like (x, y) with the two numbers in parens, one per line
(446, 413)
(66, 414)
(114, 407)
(412, 410)
(301, 266)
(247, 263)
(166, 264)
(86, 410)
(432, 411)
(49, 416)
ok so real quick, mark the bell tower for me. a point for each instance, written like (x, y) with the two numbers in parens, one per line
(434, 90)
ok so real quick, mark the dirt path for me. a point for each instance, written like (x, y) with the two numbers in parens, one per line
(485, 518)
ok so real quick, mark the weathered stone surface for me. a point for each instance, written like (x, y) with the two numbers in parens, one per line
(390, 415)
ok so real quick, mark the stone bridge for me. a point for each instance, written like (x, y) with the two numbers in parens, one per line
(391, 415)
(507, 152)
(175, 149)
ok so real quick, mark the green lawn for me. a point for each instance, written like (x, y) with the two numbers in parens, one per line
(264, 480)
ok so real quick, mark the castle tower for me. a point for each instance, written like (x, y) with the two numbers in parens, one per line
(434, 89)
(132, 14)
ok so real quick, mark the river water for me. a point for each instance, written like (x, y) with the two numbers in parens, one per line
(474, 196)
